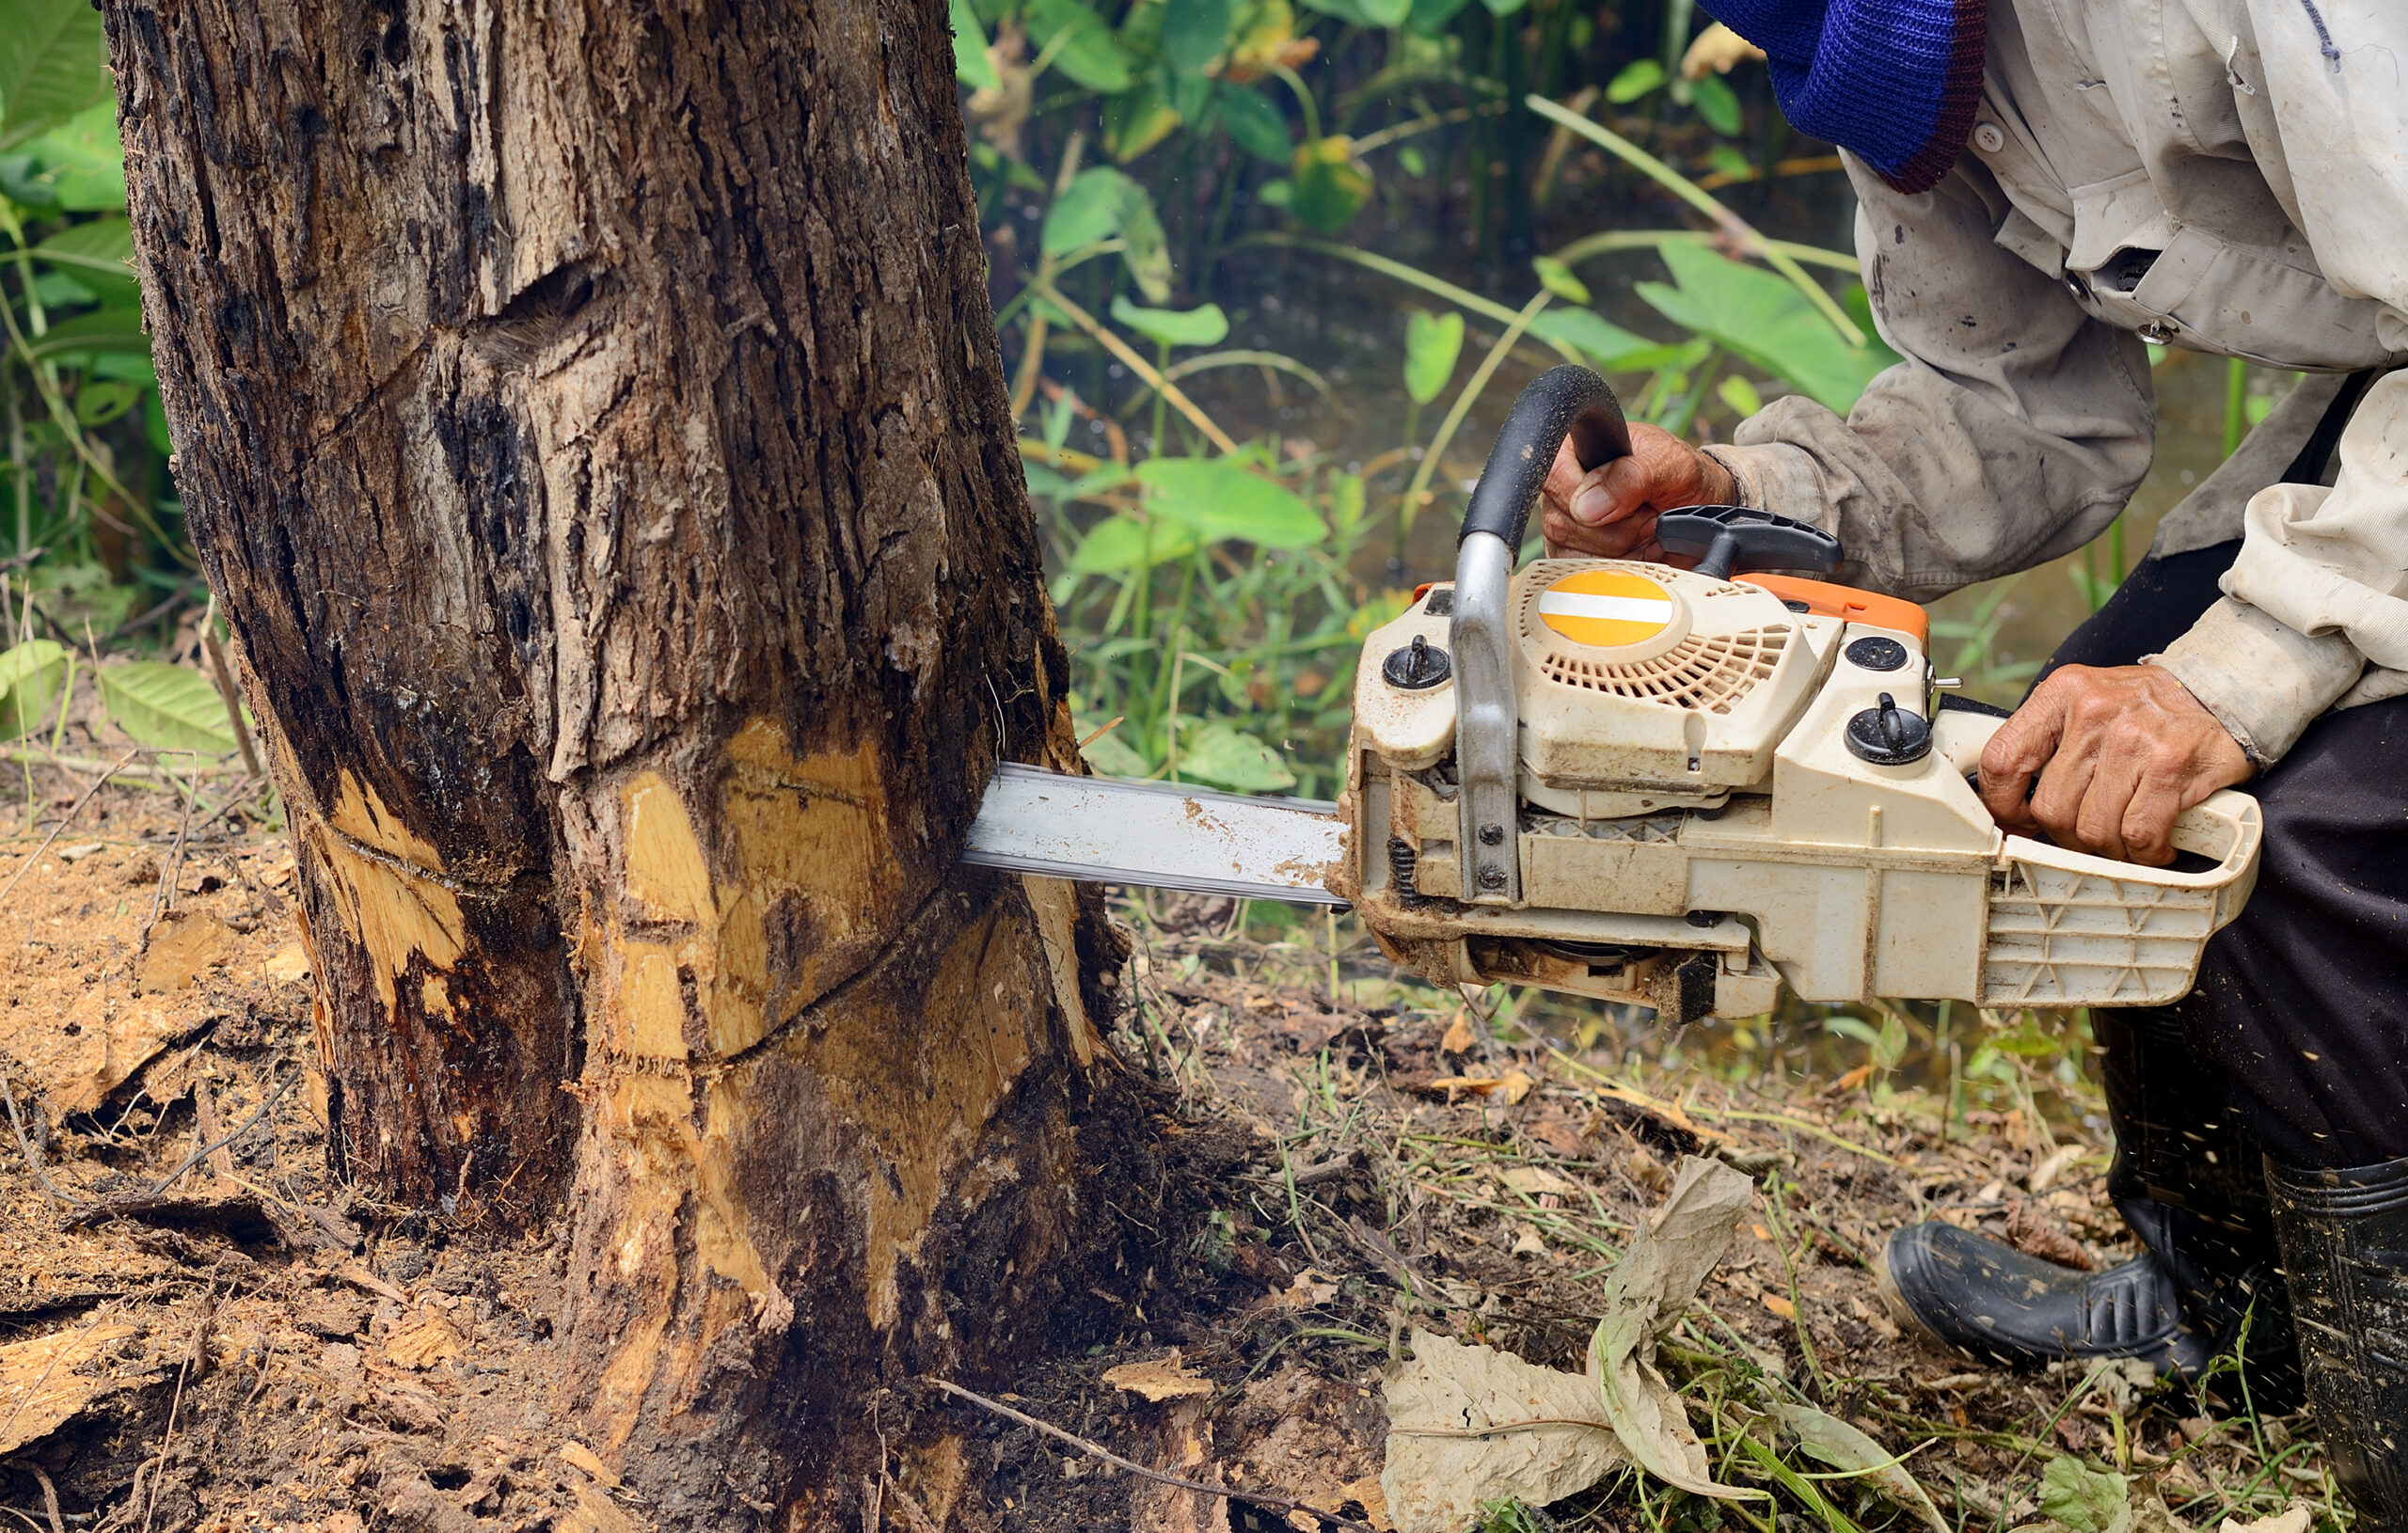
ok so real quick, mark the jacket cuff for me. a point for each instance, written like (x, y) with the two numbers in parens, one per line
(1777, 476)
(2263, 681)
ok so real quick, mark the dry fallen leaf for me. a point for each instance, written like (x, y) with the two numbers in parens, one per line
(1843, 1447)
(1365, 1493)
(1515, 1086)
(39, 1387)
(1460, 1036)
(1535, 1179)
(425, 1341)
(287, 964)
(1162, 1378)
(2294, 1518)
(1780, 1305)
(1436, 1476)
(1470, 1424)
(1311, 1287)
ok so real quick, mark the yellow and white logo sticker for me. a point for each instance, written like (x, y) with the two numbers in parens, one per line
(1607, 609)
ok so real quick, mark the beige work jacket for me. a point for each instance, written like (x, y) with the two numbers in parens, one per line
(2230, 176)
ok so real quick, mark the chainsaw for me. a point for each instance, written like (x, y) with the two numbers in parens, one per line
(1675, 787)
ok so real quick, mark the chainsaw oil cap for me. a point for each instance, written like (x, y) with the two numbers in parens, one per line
(1619, 610)
(1875, 652)
(1888, 736)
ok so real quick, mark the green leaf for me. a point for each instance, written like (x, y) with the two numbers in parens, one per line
(971, 65)
(1612, 348)
(1122, 543)
(1636, 80)
(1083, 46)
(1504, 8)
(51, 65)
(1221, 499)
(83, 167)
(1739, 394)
(1217, 753)
(30, 674)
(1430, 17)
(1387, 13)
(1557, 278)
(1205, 326)
(100, 255)
(1433, 344)
(1101, 203)
(1137, 120)
(1111, 756)
(1330, 184)
(2084, 1499)
(1410, 159)
(1195, 33)
(1717, 102)
(103, 331)
(1255, 125)
(1731, 162)
(1761, 317)
(170, 707)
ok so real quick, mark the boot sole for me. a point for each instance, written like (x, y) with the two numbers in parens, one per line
(1895, 1303)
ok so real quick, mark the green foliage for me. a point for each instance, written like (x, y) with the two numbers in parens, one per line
(1079, 43)
(31, 676)
(2084, 1499)
(1432, 343)
(1221, 501)
(1638, 79)
(1557, 278)
(1101, 204)
(170, 707)
(1761, 317)
(971, 65)
(1204, 325)
(1330, 184)
(51, 54)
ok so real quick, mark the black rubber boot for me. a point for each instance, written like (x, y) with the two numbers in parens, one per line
(2344, 1250)
(2186, 1179)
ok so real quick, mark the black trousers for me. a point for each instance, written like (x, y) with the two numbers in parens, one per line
(2302, 1002)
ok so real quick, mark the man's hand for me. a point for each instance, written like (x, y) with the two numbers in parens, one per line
(1609, 512)
(2119, 752)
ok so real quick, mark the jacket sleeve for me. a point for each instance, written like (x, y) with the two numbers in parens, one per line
(2314, 610)
(2013, 430)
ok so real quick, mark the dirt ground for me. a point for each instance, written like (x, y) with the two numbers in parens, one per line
(203, 1326)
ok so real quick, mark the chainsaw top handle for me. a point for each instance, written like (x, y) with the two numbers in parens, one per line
(1565, 402)
(1734, 540)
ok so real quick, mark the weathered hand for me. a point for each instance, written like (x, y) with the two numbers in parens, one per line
(1609, 512)
(2118, 752)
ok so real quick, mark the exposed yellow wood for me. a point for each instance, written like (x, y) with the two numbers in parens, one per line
(1056, 904)
(390, 908)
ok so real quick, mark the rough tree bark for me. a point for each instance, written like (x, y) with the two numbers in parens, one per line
(590, 416)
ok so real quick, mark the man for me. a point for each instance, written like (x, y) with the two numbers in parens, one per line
(2043, 183)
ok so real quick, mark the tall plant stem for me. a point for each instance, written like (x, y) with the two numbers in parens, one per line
(1032, 352)
(1146, 371)
(1704, 202)
(1591, 246)
(2235, 404)
(1411, 277)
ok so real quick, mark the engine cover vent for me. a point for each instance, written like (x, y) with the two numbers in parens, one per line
(1654, 648)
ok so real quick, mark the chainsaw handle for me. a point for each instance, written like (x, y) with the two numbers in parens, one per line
(1565, 402)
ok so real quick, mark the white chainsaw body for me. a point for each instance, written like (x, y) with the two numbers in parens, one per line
(1693, 827)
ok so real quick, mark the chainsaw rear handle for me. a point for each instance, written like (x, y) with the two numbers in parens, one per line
(1735, 539)
(1566, 403)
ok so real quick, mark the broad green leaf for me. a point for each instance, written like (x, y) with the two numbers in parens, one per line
(1717, 102)
(1101, 203)
(52, 59)
(1760, 317)
(1635, 81)
(1387, 13)
(30, 676)
(1218, 753)
(1352, 12)
(1123, 542)
(75, 342)
(971, 65)
(1195, 33)
(1433, 344)
(2084, 1499)
(1430, 17)
(170, 707)
(101, 256)
(1205, 326)
(1612, 348)
(81, 165)
(1221, 499)
(1330, 184)
(1346, 499)
(1847, 1448)
(1082, 46)
(1137, 120)
(1557, 278)
(1255, 125)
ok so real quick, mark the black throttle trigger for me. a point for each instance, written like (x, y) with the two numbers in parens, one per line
(1734, 540)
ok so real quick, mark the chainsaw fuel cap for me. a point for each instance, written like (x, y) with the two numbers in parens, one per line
(1888, 736)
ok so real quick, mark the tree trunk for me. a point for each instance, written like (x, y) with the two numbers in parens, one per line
(590, 418)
